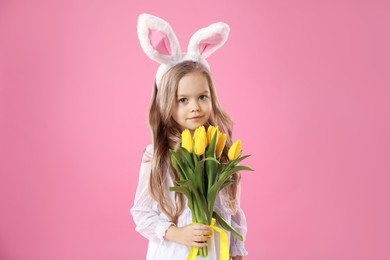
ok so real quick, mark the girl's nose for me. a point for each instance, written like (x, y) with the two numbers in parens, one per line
(195, 107)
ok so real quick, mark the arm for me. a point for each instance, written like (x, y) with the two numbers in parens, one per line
(238, 222)
(145, 211)
(147, 217)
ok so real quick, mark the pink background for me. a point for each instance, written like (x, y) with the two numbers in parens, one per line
(306, 82)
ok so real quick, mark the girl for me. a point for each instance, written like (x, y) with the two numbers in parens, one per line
(184, 97)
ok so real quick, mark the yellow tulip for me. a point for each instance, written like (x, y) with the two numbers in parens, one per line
(235, 150)
(196, 133)
(220, 144)
(210, 132)
(186, 140)
(200, 132)
(200, 140)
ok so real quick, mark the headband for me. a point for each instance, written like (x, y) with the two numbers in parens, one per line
(160, 43)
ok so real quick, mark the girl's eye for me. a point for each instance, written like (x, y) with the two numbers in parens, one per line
(203, 97)
(183, 100)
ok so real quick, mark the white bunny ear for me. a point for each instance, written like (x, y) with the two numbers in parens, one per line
(158, 40)
(207, 40)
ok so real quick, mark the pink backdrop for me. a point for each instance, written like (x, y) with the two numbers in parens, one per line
(306, 82)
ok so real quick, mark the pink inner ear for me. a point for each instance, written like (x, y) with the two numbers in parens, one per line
(160, 42)
(208, 43)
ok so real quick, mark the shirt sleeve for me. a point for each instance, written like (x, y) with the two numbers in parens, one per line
(238, 222)
(145, 211)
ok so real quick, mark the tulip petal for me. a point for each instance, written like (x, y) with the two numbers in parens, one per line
(200, 140)
(235, 150)
(221, 141)
(186, 140)
(210, 132)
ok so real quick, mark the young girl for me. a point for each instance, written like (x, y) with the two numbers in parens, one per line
(184, 97)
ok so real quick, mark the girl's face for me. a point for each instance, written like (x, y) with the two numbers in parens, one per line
(193, 105)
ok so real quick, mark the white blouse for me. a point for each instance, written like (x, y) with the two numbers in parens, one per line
(152, 223)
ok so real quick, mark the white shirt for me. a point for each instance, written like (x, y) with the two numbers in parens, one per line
(152, 223)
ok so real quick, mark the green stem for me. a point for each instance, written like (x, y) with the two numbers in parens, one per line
(199, 215)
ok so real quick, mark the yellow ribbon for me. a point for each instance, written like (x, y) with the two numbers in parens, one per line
(223, 243)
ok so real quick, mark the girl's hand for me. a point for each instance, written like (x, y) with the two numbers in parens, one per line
(192, 235)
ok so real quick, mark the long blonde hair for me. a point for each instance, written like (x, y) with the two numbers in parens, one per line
(166, 135)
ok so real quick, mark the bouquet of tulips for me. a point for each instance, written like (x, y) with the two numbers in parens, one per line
(202, 174)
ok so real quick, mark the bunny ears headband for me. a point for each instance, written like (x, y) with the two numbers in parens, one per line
(160, 43)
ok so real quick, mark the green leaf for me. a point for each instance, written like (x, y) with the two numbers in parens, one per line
(176, 166)
(183, 183)
(239, 159)
(187, 158)
(210, 159)
(186, 192)
(210, 152)
(195, 158)
(221, 168)
(199, 176)
(227, 183)
(183, 190)
(185, 172)
(216, 187)
(233, 163)
(235, 169)
(200, 198)
(226, 226)
(211, 172)
(212, 195)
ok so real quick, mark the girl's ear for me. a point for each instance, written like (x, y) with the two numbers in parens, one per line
(207, 40)
(158, 40)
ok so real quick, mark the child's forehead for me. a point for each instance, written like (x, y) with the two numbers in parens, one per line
(193, 84)
(193, 78)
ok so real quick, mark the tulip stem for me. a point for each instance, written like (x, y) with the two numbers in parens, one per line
(199, 218)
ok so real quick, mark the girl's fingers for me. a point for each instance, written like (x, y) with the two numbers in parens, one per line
(201, 227)
(200, 238)
(198, 244)
(202, 232)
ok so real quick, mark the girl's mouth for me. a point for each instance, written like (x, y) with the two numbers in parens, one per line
(196, 117)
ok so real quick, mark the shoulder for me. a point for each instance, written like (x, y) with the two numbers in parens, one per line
(148, 154)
